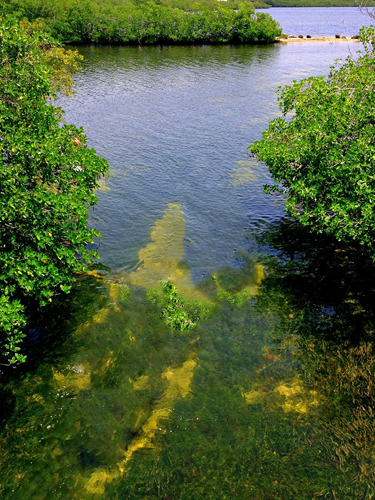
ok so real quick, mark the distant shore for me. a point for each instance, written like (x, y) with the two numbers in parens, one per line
(315, 39)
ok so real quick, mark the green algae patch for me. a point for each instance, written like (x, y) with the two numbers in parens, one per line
(178, 386)
(179, 381)
(254, 397)
(131, 409)
(140, 383)
(75, 380)
(291, 396)
(147, 415)
(118, 294)
(237, 286)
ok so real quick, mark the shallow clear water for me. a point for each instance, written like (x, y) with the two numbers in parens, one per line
(175, 123)
(270, 396)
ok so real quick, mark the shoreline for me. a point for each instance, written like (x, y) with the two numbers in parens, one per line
(315, 39)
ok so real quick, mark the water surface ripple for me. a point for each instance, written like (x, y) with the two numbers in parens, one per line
(175, 124)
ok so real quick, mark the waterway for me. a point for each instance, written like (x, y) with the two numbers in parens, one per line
(328, 21)
(264, 389)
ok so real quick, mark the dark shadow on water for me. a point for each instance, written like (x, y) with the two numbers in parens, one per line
(329, 286)
(139, 58)
(49, 338)
(323, 293)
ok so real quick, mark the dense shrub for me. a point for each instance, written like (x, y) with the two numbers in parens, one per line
(86, 21)
(322, 155)
(47, 181)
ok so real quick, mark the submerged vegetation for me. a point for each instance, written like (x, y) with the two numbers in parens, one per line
(178, 313)
(257, 389)
(47, 181)
(322, 293)
(322, 155)
(127, 22)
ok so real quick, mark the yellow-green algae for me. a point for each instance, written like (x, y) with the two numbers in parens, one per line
(162, 258)
(244, 288)
(294, 396)
(179, 382)
(157, 256)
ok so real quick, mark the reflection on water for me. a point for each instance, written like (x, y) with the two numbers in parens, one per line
(173, 123)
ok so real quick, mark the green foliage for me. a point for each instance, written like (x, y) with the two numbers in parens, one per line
(12, 320)
(323, 155)
(179, 314)
(123, 293)
(233, 298)
(47, 182)
(175, 315)
(149, 22)
(314, 3)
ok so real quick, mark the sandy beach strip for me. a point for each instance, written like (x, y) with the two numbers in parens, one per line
(315, 39)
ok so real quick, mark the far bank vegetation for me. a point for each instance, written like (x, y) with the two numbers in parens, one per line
(146, 22)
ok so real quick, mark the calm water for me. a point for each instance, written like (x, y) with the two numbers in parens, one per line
(270, 396)
(345, 21)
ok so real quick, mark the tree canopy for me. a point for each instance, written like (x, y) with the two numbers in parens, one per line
(47, 180)
(322, 151)
(147, 21)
